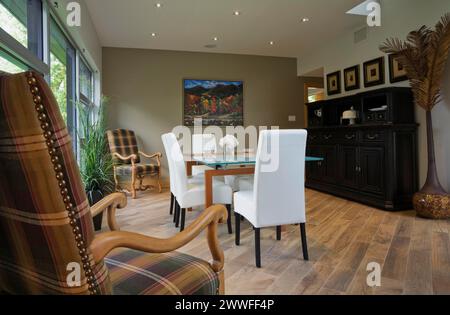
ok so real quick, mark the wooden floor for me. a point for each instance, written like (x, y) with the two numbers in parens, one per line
(344, 237)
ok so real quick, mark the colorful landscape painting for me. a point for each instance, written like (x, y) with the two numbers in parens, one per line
(218, 103)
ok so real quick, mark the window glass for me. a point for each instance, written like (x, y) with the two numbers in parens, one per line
(62, 75)
(13, 17)
(85, 84)
(10, 65)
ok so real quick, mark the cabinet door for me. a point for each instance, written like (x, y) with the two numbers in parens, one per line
(348, 166)
(372, 170)
(313, 170)
(328, 167)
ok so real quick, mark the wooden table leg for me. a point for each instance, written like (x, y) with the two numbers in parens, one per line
(189, 165)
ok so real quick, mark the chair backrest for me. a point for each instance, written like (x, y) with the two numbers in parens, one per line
(279, 187)
(45, 220)
(169, 163)
(123, 142)
(204, 143)
(175, 155)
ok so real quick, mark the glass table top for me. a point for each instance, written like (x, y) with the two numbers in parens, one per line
(220, 160)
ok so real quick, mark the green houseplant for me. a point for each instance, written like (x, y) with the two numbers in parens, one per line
(96, 165)
(424, 56)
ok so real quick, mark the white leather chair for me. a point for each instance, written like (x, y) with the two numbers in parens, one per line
(278, 195)
(203, 144)
(190, 192)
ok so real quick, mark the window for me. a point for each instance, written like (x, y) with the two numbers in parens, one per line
(22, 19)
(10, 65)
(86, 84)
(62, 75)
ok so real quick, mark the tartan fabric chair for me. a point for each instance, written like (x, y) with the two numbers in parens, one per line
(127, 160)
(46, 232)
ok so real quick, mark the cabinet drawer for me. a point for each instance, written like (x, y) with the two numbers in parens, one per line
(313, 137)
(349, 136)
(374, 136)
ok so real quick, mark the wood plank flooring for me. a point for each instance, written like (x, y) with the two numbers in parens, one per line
(343, 238)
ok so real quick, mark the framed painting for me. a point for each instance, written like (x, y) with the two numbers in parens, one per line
(351, 78)
(334, 83)
(397, 72)
(374, 72)
(216, 102)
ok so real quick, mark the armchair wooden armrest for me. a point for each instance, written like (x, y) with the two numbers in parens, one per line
(104, 243)
(132, 157)
(110, 203)
(156, 156)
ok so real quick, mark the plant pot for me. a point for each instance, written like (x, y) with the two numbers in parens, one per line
(95, 196)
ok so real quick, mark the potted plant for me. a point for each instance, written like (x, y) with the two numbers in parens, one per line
(96, 164)
(424, 55)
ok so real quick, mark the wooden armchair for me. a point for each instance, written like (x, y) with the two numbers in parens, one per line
(127, 160)
(47, 241)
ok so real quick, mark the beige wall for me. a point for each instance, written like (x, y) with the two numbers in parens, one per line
(145, 89)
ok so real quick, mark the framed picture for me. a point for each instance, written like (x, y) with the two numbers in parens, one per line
(374, 72)
(397, 72)
(334, 83)
(216, 102)
(351, 78)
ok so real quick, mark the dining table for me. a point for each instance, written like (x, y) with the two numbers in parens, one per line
(237, 165)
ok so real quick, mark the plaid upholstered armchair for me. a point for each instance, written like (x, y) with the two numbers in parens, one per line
(127, 160)
(46, 223)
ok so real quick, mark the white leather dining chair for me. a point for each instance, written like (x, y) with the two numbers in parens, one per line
(278, 195)
(190, 192)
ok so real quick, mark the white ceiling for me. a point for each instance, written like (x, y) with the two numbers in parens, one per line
(189, 25)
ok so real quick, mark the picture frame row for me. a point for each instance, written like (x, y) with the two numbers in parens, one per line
(373, 75)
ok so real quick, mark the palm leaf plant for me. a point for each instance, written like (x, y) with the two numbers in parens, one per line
(96, 165)
(424, 55)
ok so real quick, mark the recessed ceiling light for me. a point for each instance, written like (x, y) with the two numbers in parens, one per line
(215, 39)
(158, 5)
(305, 19)
(237, 13)
(153, 34)
(271, 43)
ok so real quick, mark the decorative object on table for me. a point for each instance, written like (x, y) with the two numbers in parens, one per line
(424, 55)
(334, 83)
(350, 115)
(351, 78)
(374, 72)
(96, 165)
(397, 72)
(127, 161)
(229, 143)
(217, 103)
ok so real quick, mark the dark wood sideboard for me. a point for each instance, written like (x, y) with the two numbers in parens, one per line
(373, 162)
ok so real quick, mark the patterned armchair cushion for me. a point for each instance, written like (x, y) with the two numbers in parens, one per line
(45, 220)
(141, 169)
(137, 273)
(123, 142)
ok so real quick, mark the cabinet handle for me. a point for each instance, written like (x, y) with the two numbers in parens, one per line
(350, 137)
(328, 137)
(358, 169)
(372, 137)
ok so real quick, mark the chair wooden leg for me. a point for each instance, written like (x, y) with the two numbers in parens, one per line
(159, 182)
(238, 228)
(183, 219)
(175, 210)
(304, 242)
(258, 247)
(133, 183)
(230, 228)
(172, 200)
(177, 215)
(279, 233)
